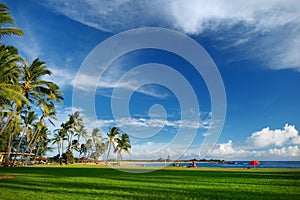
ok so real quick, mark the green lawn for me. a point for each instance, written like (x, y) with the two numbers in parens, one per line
(78, 182)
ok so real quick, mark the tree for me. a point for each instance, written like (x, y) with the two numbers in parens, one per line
(112, 134)
(13, 130)
(123, 144)
(5, 18)
(37, 90)
(74, 126)
(23, 88)
(11, 96)
(28, 119)
(9, 76)
(98, 146)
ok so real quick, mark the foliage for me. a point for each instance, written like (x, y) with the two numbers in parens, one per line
(112, 134)
(5, 18)
(68, 157)
(96, 146)
(123, 144)
(27, 99)
(28, 107)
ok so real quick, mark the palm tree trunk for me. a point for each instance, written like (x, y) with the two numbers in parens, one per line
(19, 145)
(28, 157)
(7, 160)
(32, 142)
(29, 145)
(36, 153)
(58, 149)
(62, 146)
(119, 157)
(8, 120)
(109, 147)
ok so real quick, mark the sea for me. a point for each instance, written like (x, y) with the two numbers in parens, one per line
(237, 164)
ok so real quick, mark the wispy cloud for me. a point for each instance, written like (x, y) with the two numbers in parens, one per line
(29, 46)
(61, 76)
(268, 30)
(111, 80)
(154, 123)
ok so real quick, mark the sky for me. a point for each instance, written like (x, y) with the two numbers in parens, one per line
(185, 79)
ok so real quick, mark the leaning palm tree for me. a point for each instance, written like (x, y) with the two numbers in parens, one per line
(11, 96)
(34, 87)
(12, 131)
(99, 146)
(28, 120)
(5, 18)
(74, 127)
(112, 134)
(123, 144)
(59, 137)
(57, 140)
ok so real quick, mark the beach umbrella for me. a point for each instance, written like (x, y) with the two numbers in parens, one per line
(254, 163)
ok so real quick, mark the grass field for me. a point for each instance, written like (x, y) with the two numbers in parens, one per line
(78, 182)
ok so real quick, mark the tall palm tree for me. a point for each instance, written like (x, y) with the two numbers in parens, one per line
(41, 143)
(5, 18)
(99, 146)
(75, 127)
(35, 88)
(123, 144)
(9, 75)
(112, 134)
(11, 96)
(28, 120)
(13, 130)
(57, 140)
(45, 94)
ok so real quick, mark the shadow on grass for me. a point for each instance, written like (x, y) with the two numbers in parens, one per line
(108, 183)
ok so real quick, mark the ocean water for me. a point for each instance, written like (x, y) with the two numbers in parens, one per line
(241, 164)
(245, 164)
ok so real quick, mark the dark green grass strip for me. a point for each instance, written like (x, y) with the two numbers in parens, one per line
(105, 183)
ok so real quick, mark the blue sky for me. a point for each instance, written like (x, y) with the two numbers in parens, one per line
(254, 45)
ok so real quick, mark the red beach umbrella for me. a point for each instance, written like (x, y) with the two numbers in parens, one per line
(254, 163)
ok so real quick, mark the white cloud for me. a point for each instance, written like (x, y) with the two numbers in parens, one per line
(291, 151)
(229, 151)
(61, 76)
(191, 17)
(277, 137)
(154, 123)
(259, 146)
(88, 82)
(29, 46)
(226, 150)
(277, 21)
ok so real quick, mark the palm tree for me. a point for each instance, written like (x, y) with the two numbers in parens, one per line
(35, 88)
(123, 144)
(73, 127)
(11, 96)
(99, 146)
(40, 92)
(41, 143)
(12, 131)
(28, 119)
(5, 18)
(59, 138)
(9, 76)
(112, 134)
